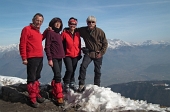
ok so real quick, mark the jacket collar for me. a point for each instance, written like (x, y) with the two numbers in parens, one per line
(33, 27)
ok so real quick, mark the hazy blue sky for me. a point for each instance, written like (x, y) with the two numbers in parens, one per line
(128, 20)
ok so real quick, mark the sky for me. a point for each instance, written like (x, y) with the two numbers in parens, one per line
(95, 99)
(128, 20)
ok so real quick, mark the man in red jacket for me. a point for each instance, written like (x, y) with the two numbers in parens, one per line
(31, 51)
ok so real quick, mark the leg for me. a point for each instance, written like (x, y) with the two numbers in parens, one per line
(97, 70)
(40, 66)
(57, 92)
(72, 84)
(69, 70)
(74, 64)
(57, 63)
(32, 67)
(31, 80)
(82, 72)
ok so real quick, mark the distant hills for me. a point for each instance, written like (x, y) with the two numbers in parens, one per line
(123, 62)
(157, 92)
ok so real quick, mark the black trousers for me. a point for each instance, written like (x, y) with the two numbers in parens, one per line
(57, 67)
(34, 68)
(71, 65)
(97, 69)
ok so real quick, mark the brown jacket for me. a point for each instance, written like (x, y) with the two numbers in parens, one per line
(95, 40)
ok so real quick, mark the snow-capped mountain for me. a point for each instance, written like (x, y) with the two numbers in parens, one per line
(116, 43)
(152, 42)
(122, 62)
(9, 48)
(112, 43)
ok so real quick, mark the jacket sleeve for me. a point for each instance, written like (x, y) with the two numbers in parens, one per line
(23, 43)
(62, 36)
(47, 46)
(44, 34)
(104, 43)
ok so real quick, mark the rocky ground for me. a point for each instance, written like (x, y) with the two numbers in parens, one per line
(14, 98)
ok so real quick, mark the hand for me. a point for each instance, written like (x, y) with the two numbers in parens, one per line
(25, 62)
(98, 54)
(49, 28)
(50, 63)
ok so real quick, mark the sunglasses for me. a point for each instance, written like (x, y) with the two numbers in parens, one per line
(72, 24)
(91, 22)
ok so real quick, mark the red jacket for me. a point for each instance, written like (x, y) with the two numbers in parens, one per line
(30, 43)
(71, 43)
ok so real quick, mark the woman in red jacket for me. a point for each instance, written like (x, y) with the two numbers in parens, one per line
(55, 53)
(72, 47)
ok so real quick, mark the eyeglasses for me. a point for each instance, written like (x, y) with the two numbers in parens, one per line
(72, 24)
(91, 21)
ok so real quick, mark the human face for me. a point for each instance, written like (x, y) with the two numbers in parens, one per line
(72, 25)
(37, 21)
(91, 24)
(57, 24)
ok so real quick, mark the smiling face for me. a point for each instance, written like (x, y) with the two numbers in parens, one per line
(72, 23)
(37, 21)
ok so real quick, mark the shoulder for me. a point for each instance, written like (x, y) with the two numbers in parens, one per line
(50, 32)
(84, 27)
(99, 29)
(26, 28)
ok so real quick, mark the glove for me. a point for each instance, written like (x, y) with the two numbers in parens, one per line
(79, 57)
(85, 50)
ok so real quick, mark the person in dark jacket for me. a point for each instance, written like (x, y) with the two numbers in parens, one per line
(72, 47)
(31, 51)
(95, 47)
(55, 53)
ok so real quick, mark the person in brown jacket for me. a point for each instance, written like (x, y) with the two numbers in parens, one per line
(95, 47)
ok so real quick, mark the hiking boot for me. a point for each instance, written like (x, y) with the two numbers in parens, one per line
(40, 99)
(35, 105)
(60, 101)
(66, 88)
(73, 86)
(81, 88)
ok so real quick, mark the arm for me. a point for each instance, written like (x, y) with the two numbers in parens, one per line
(22, 45)
(104, 44)
(47, 45)
(44, 34)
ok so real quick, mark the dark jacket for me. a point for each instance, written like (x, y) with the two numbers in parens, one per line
(95, 40)
(53, 45)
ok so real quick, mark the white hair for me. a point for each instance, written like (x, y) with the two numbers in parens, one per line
(91, 18)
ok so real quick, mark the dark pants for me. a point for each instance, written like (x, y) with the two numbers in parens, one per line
(34, 68)
(71, 65)
(97, 69)
(57, 66)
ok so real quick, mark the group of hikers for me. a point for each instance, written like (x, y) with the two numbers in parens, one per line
(61, 45)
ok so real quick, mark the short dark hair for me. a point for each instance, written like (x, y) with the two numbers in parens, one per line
(38, 14)
(72, 18)
(54, 20)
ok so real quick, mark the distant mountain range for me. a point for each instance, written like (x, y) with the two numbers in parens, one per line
(157, 92)
(123, 62)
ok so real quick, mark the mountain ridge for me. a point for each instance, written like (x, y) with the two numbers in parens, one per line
(122, 62)
(112, 43)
